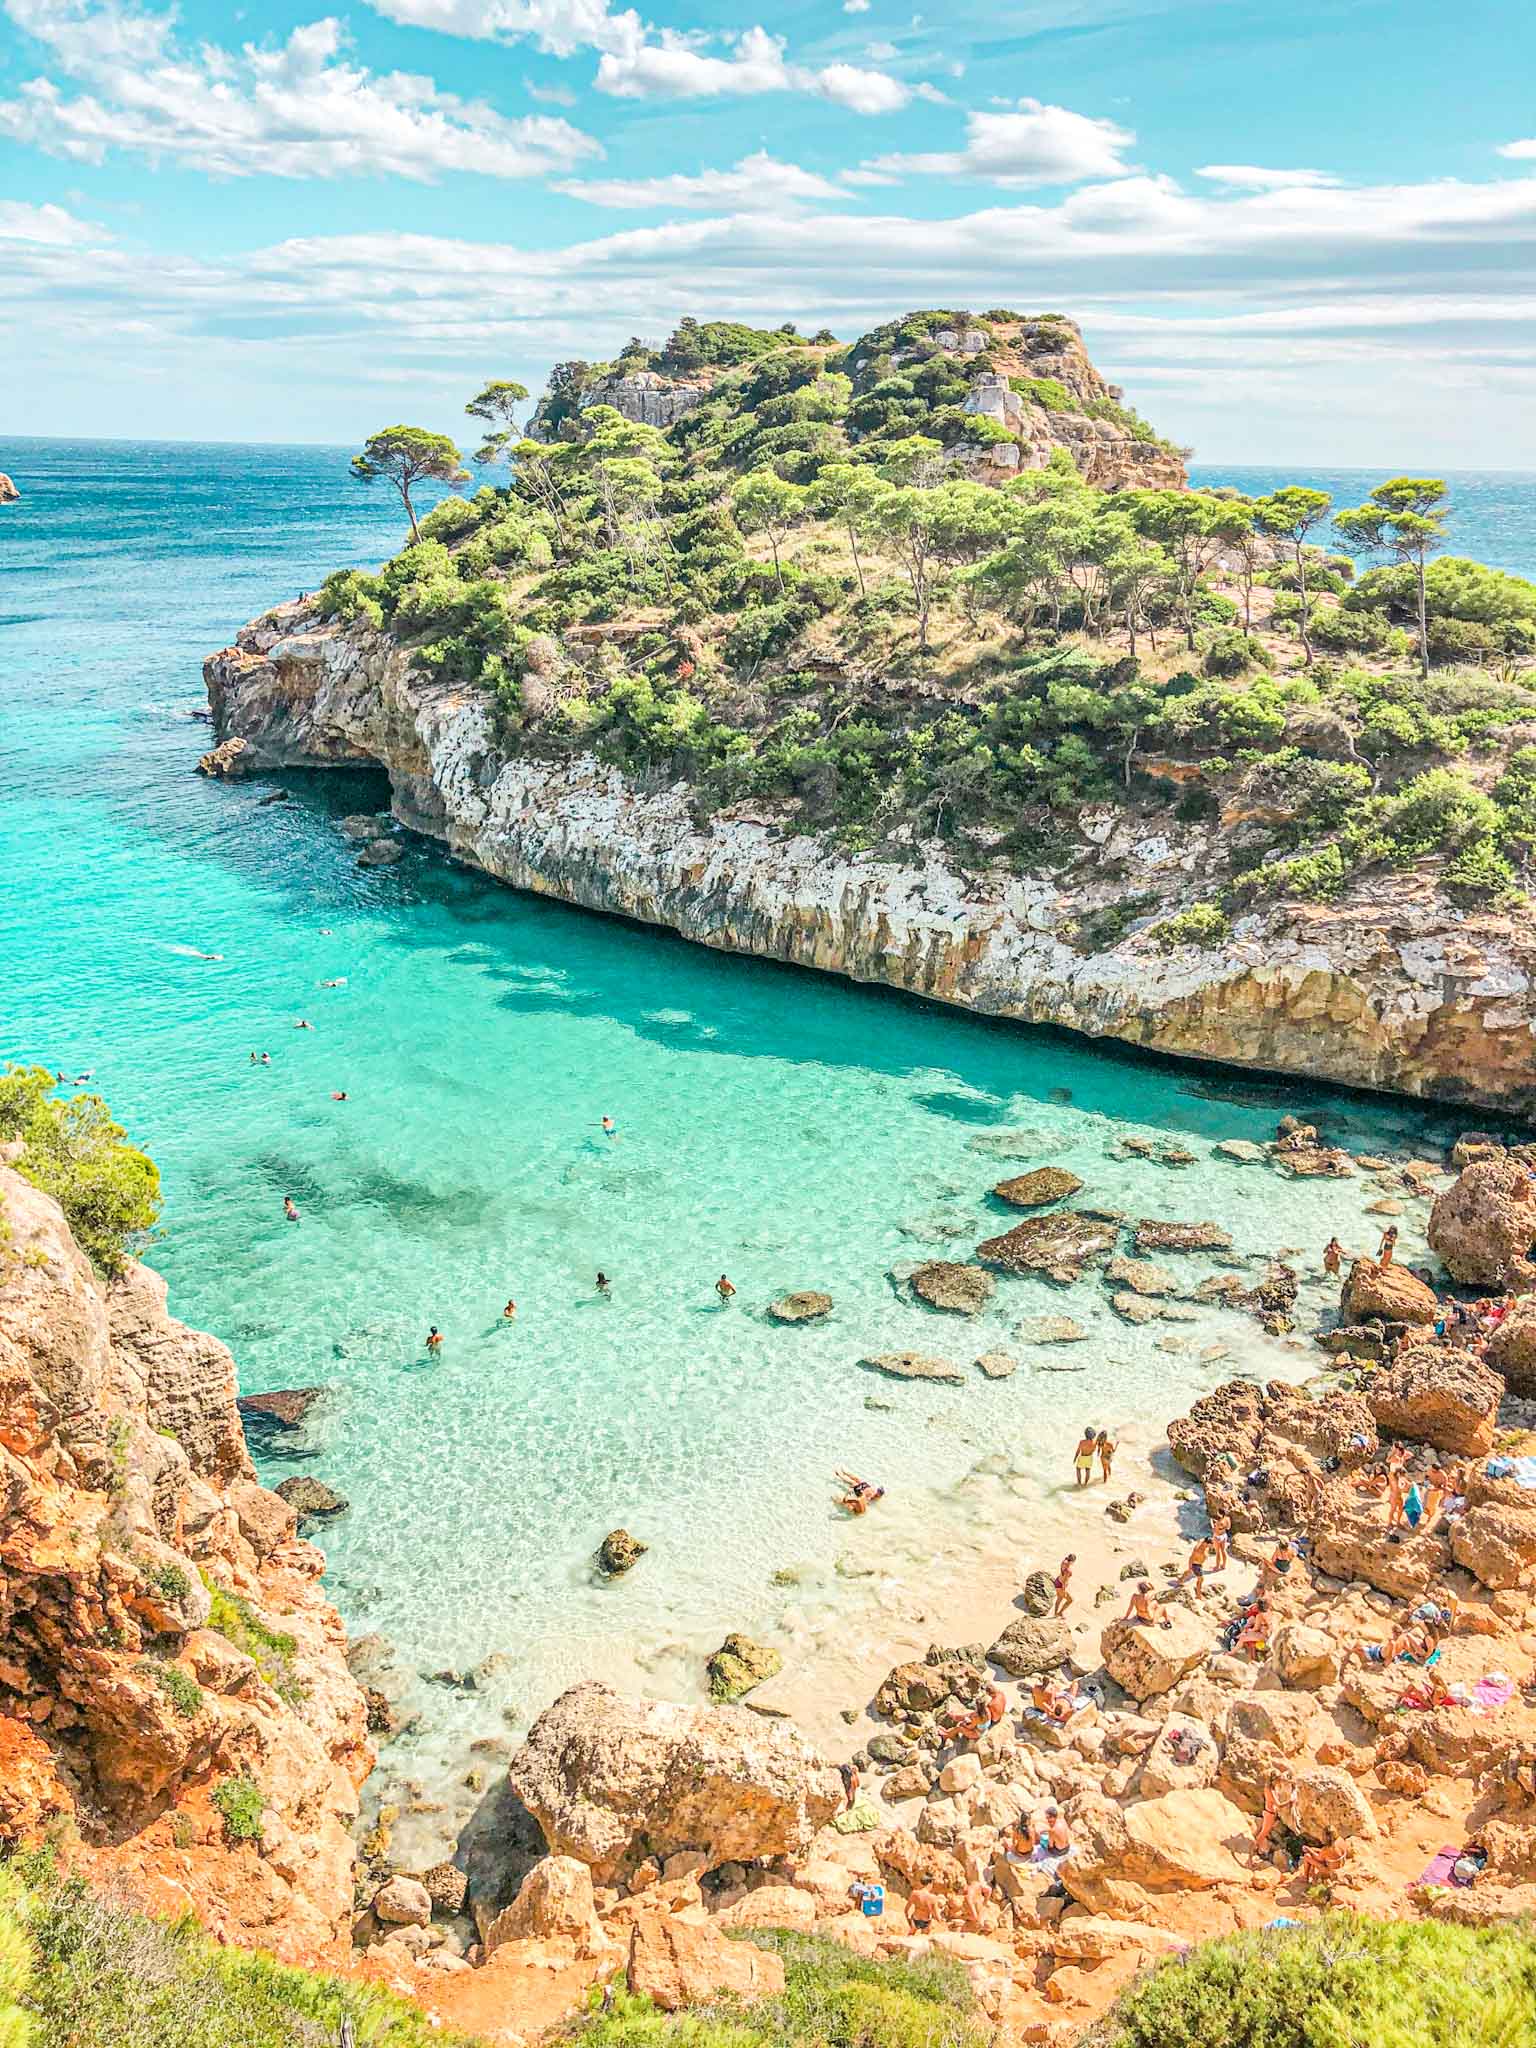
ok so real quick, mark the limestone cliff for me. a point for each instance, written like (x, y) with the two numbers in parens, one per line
(174, 1698)
(1391, 988)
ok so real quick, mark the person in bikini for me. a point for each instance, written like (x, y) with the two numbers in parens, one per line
(1062, 1583)
(1333, 1255)
(1146, 1608)
(1107, 1449)
(1278, 1787)
(1221, 1531)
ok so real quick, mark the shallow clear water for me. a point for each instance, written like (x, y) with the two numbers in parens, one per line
(790, 1130)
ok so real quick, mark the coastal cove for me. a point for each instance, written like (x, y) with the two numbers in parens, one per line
(795, 1132)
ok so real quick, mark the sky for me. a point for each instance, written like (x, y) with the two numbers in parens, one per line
(1294, 234)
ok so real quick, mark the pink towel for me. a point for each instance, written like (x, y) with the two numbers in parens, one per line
(1489, 1693)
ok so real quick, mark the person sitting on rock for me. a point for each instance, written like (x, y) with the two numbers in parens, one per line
(1280, 1561)
(1253, 1636)
(1146, 1608)
(1050, 1703)
(1322, 1862)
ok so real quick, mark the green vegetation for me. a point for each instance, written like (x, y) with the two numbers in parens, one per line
(406, 456)
(832, 1999)
(109, 1191)
(799, 595)
(80, 1971)
(169, 1581)
(182, 1690)
(271, 1650)
(1337, 1982)
(240, 1801)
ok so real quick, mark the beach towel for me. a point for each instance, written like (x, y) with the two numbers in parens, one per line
(857, 1819)
(1048, 1859)
(1499, 1468)
(1439, 1869)
(1524, 1473)
(1491, 1692)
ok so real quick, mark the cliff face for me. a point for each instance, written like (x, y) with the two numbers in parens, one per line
(163, 1633)
(1393, 989)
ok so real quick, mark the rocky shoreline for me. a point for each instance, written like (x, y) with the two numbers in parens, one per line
(1395, 990)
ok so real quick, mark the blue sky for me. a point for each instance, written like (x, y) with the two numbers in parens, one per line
(1297, 234)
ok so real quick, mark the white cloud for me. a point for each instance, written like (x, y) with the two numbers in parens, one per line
(758, 183)
(1034, 145)
(855, 6)
(677, 67)
(558, 27)
(296, 110)
(549, 95)
(49, 226)
(1254, 178)
(860, 91)
(1520, 151)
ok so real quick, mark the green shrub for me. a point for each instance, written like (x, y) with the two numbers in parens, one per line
(1340, 1981)
(271, 1650)
(351, 594)
(1230, 652)
(182, 1690)
(89, 1973)
(109, 1191)
(1048, 392)
(1203, 924)
(240, 1801)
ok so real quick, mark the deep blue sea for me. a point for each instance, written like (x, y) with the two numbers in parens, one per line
(788, 1130)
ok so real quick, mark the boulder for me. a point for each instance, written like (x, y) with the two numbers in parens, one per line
(446, 1886)
(1147, 1661)
(805, 1306)
(9, 495)
(380, 853)
(1242, 1150)
(1436, 1394)
(1482, 1227)
(402, 1902)
(619, 1552)
(1328, 1806)
(1036, 1190)
(1182, 1757)
(1154, 1236)
(312, 1499)
(1281, 1720)
(997, 1365)
(914, 1365)
(1060, 1245)
(1496, 1543)
(284, 1408)
(612, 1780)
(1304, 1656)
(738, 1665)
(1512, 1348)
(1223, 1424)
(1129, 1859)
(917, 1688)
(1039, 1595)
(1141, 1276)
(962, 1290)
(1350, 1540)
(779, 1905)
(554, 1902)
(230, 761)
(1391, 1293)
(1031, 1645)
(677, 1963)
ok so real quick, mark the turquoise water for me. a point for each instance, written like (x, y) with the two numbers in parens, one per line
(792, 1131)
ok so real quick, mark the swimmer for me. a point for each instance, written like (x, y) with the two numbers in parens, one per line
(338, 1095)
(339, 982)
(290, 1209)
(602, 1283)
(303, 1025)
(266, 1059)
(208, 956)
(724, 1288)
(509, 1313)
(434, 1338)
(255, 1061)
(326, 932)
(89, 1074)
(609, 1128)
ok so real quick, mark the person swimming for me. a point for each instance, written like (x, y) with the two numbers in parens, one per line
(303, 1024)
(338, 1095)
(509, 1313)
(434, 1338)
(290, 1209)
(340, 981)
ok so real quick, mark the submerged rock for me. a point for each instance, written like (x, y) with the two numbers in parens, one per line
(738, 1665)
(1060, 1245)
(1037, 1189)
(997, 1365)
(1155, 1236)
(618, 1551)
(1141, 1276)
(914, 1365)
(380, 853)
(364, 825)
(962, 1290)
(1050, 1330)
(284, 1408)
(802, 1307)
(312, 1499)
(1243, 1150)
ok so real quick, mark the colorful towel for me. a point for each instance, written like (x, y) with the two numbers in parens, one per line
(857, 1819)
(1439, 1871)
(1491, 1692)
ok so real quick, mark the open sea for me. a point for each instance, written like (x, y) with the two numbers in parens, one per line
(790, 1130)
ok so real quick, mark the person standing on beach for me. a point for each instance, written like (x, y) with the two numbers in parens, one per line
(1082, 1457)
(924, 1906)
(1221, 1529)
(1062, 1583)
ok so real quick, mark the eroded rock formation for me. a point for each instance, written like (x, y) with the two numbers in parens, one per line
(163, 1633)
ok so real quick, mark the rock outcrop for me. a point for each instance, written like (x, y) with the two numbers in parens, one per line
(9, 495)
(1483, 1227)
(611, 1781)
(1438, 1396)
(165, 1632)
(1390, 991)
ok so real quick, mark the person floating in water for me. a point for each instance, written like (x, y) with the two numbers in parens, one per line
(290, 1209)
(303, 1025)
(338, 1095)
(609, 1128)
(434, 1338)
(509, 1313)
(724, 1289)
(602, 1283)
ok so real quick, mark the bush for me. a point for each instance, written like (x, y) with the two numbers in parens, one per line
(183, 1691)
(1203, 924)
(1337, 1982)
(270, 1650)
(1229, 652)
(89, 1973)
(349, 595)
(109, 1191)
(240, 1801)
